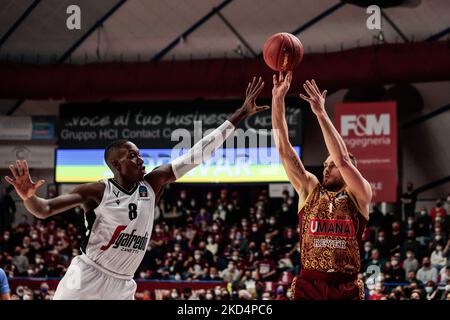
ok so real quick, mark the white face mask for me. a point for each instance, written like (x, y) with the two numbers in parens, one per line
(174, 295)
(209, 296)
(429, 289)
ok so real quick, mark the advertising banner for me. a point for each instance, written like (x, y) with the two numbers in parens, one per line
(370, 133)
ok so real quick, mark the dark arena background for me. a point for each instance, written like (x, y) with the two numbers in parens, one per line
(77, 75)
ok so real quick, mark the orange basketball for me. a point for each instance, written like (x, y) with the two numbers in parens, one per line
(283, 51)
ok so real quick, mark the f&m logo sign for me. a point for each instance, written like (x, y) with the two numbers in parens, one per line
(366, 124)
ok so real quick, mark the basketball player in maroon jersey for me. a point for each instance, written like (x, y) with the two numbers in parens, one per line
(332, 214)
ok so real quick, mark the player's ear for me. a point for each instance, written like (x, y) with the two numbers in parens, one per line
(115, 164)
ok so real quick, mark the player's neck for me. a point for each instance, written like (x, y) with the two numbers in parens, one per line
(126, 185)
(336, 189)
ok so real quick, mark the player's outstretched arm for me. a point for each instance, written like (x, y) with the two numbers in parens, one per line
(43, 208)
(356, 183)
(203, 149)
(302, 180)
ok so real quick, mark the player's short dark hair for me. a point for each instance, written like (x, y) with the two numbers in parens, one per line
(110, 148)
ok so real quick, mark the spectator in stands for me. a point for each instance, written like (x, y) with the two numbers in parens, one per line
(366, 253)
(412, 279)
(375, 260)
(430, 290)
(43, 292)
(377, 219)
(409, 199)
(410, 264)
(4, 287)
(396, 239)
(438, 259)
(209, 295)
(202, 219)
(416, 295)
(267, 295)
(267, 267)
(438, 211)
(212, 245)
(382, 244)
(378, 293)
(438, 236)
(410, 244)
(21, 262)
(231, 273)
(427, 272)
(175, 294)
(445, 274)
(280, 293)
(424, 222)
(285, 263)
(395, 273)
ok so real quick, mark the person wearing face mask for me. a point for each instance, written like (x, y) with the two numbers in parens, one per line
(410, 244)
(273, 230)
(6, 244)
(256, 234)
(430, 290)
(424, 222)
(209, 295)
(427, 272)
(438, 259)
(438, 236)
(395, 273)
(211, 245)
(383, 244)
(366, 253)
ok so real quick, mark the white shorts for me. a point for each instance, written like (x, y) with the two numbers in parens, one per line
(84, 281)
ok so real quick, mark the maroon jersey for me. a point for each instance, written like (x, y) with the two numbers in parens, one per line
(331, 227)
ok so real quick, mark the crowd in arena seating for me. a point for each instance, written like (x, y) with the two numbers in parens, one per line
(247, 240)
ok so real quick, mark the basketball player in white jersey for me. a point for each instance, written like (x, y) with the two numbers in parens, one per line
(119, 212)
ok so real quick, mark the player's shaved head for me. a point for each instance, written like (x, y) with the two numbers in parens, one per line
(111, 150)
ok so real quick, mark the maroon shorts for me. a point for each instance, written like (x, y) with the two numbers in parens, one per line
(313, 285)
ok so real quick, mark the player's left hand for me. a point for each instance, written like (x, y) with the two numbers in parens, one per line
(315, 98)
(249, 107)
